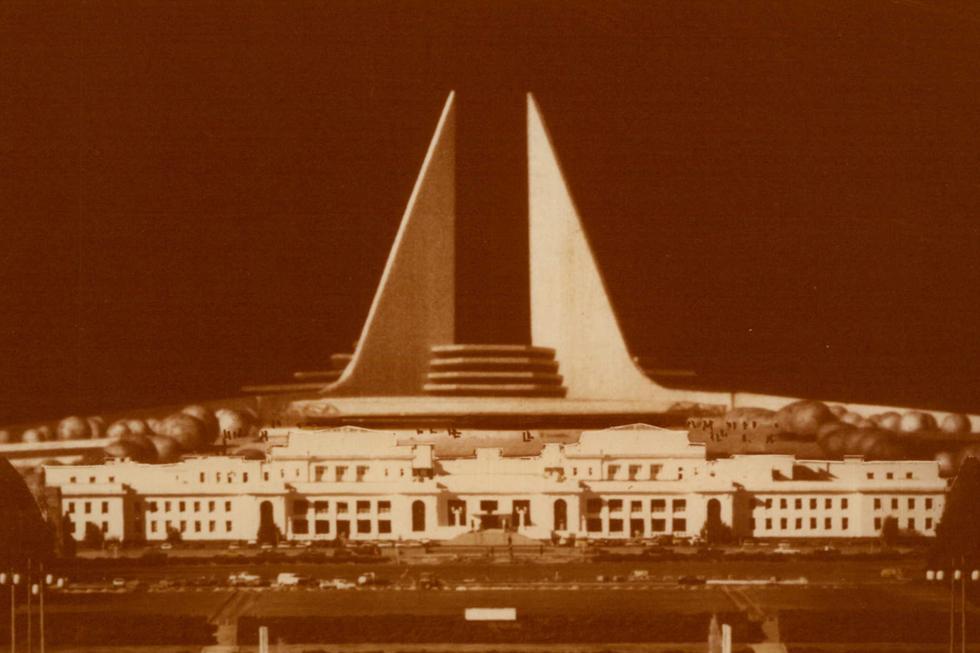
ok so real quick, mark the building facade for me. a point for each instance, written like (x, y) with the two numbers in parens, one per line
(635, 481)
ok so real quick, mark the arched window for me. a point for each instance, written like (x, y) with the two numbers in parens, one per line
(561, 515)
(418, 516)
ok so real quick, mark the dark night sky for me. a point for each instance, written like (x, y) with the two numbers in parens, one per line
(194, 196)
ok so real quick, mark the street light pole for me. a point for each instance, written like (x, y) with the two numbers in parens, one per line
(27, 584)
(13, 579)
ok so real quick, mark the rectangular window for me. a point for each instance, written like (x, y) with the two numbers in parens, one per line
(615, 525)
(88, 507)
(153, 527)
(680, 473)
(782, 504)
(911, 524)
(197, 506)
(928, 504)
(828, 503)
(894, 504)
(151, 506)
(928, 523)
(658, 505)
(361, 472)
(655, 471)
(73, 479)
(827, 524)
(202, 477)
(384, 527)
(593, 525)
(799, 523)
(658, 525)
(813, 504)
(908, 475)
(783, 523)
(318, 473)
(877, 523)
(384, 507)
(321, 506)
(71, 507)
(217, 477)
(91, 479)
(183, 526)
(322, 526)
(105, 507)
(227, 526)
(341, 506)
(210, 506)
(300, 506)
(798, 504)
(197, 527)
(843, 524)
(301, 526)
(363, 507)
(227, 506)
(488, 506)
(877, 503)
(636, 506)
(911, 503)
(678, 505)
(871, 476)
(611, 472)
(768, 503)
(363, 525)
(181, 506)
(615, 505)
(889, 476)
(679, 525)
(166, 506)
(768, 523)
(211, 526)
(244, 477)
(843, 504)
(338, 473)
(634, 471)
(813, 523)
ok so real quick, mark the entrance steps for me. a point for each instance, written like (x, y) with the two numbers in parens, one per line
(494, 537)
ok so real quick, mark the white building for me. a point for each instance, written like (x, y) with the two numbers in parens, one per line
(624, 482)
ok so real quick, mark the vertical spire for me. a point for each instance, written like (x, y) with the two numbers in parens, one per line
(414, 306)
(570, 308)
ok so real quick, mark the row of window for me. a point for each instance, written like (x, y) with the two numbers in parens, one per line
(910, 503)
(828, 523)
(909, 523)
(92, 479)
(889, 476)
(182, 525)
(657, 525)
(87, 507)
(181, 506)
(302, 506)
(322, 526)
(636, 505)
(828, 503)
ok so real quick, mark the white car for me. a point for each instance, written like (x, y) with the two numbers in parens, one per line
(337, 584)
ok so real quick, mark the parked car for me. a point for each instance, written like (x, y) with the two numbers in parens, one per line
(337, 584)
(244, 579)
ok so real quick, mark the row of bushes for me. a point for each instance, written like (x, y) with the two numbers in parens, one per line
(600, 627)
(114, 629)
(860, 625)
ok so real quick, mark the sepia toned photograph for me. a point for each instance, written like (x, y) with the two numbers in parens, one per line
(490, 327)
